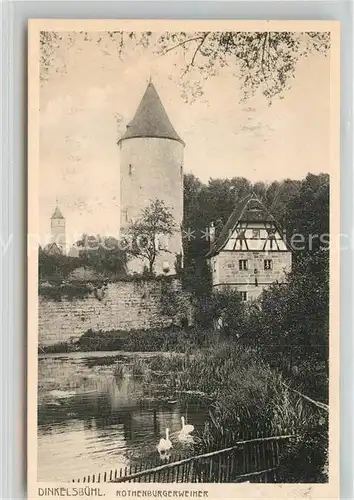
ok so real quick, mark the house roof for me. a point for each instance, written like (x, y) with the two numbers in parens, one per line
(249, 209)
(150, 119)
(53, 249)
(57, 214)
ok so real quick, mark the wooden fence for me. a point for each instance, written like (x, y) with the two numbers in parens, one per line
(253, 460)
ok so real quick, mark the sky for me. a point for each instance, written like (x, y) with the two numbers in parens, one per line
(90, 94)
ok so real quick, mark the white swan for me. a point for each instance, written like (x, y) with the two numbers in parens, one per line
(186, 429)
(185, 438)
(164, 444)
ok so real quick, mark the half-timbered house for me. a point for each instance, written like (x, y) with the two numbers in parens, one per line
(251, 251)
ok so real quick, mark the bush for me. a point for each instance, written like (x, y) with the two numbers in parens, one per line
(135, 340)
(70, 291)
(57, 348)
(305, 460)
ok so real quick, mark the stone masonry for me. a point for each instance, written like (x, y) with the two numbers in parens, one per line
(122, 306)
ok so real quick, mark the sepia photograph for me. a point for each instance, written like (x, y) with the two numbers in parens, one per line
(183, 203)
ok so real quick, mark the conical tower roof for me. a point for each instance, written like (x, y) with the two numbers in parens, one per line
(57, 214)
(151, 119)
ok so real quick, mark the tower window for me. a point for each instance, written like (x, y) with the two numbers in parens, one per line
(268, 265)
(130, 169)
(243, 265)
(243, 296)
(126, 215)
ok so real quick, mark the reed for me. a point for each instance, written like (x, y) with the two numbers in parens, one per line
(118, 371)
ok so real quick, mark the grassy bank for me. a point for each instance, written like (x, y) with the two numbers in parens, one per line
(247, 399)
(152, 340)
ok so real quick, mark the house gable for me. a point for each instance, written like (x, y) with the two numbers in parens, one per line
(255, 236)
(250, 227)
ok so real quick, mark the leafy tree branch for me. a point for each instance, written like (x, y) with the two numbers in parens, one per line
(261, 61)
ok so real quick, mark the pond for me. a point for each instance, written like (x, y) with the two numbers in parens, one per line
(103, 411)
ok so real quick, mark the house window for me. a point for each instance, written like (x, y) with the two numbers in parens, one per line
(130, 169)
(242, 265)
(214, 265)
(255, 233)
(243, 296)
(268, 265)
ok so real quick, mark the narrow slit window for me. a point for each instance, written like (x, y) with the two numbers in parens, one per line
(243, 296)
(243, 265)
(130, 169)
(268, 265)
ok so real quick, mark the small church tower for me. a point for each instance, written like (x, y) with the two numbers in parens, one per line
(57, 226)
(151, 167)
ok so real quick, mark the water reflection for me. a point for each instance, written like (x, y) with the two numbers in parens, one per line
(100, 421)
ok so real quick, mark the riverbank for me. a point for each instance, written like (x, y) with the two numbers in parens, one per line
(246, 396)
(104, 354)
(247, 399)
(154, 340)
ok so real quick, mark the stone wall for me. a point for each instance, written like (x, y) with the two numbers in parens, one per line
(120, 306)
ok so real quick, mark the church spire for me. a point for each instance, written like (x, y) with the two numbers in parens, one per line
(57, 213)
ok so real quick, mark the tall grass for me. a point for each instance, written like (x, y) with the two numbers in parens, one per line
(151, 340)
(246, 399)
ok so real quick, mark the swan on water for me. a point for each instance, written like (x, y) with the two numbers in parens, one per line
(186, 429)
(164, 444)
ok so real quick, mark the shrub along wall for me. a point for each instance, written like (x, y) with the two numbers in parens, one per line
(65, 316)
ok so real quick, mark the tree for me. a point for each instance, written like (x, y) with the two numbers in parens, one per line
(102, 254)
(291, 328)
(262, 61)
(55, 268)
(307, 214)
(144, 234)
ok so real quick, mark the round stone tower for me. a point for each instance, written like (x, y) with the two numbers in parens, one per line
(151, 167)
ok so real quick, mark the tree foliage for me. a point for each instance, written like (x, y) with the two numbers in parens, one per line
(262, 61)
(300, 207)
(55, 268)
(145, 235)
(103, 255)
(290, 328)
